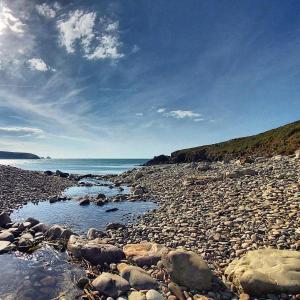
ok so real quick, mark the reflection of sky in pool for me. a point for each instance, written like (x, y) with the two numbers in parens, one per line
(81, 218)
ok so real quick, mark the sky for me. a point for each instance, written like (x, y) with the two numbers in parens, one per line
(134, 79)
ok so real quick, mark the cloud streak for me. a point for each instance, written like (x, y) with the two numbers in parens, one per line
(21, 132)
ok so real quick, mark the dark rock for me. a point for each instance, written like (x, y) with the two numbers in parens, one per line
(32, 221)
(112, 209)
(4, 219)
(93, 233)
(49, 173)
(85, 201)
(57, 232)
(62, 174)
(82, 282)
(100, 196)
(115, 226)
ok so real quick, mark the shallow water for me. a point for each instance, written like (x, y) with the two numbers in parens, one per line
(23, 276)
(43, 275)
(80, 218)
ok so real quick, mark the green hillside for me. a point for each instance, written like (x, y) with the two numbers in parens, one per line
(282, 140)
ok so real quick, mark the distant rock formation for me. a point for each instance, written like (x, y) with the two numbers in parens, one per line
(17, 155)
(284, 140)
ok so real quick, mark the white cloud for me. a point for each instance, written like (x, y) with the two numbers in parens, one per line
(46, 11)
(20, 132)
(181, 114)
(96, 43)
(38, 64)
(161, 110)
(9, 22)
(135, 49)
(139, 114)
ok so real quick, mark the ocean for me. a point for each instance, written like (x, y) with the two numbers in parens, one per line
(76, 166)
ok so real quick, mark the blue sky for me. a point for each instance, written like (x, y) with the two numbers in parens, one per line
(141, 78)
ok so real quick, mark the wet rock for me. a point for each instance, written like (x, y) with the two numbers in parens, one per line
(57, 232)
(111, 285)
(6, 236)
(32, 221)
(84, 201)
(5, 246)
(188, 269)
(266, 271)
(4, 219)
(82, 282)
(41, 227)
(145, 254)
(48, 173)
(48, 281)
(115, 226)
(112, 209)
(26, 241)
(154, 295)
(100, 196)
(138, 278)
(61, 174)
(94, 233)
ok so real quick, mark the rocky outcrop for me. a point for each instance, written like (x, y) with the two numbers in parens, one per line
(159, 160)
(266, 271)
(57, 232)
(188, 269)
(4, 219)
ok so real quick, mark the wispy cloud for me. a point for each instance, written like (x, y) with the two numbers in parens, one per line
(181, 114)
(9, 22)
(46, 10)
(97, 40)
(21, 132)
(38, 64)
(139, 114)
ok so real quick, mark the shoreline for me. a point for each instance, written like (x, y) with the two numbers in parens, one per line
(218, 211)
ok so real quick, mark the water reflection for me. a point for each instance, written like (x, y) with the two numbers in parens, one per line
(45, 274)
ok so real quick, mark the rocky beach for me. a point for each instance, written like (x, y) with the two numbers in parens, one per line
(222, 230)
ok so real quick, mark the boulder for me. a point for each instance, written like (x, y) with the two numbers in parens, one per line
(266, 271)
(84, 201)
(111, 285)
(4, 219)
(136, 295)
(94, 251)
(32, 221)
(100, 196)
(154, 295)
(98, 254)
(115, 226)
(48, 173)
(138, 278)
(57, 232)
(61, 174)
(94, 233)
(5, 246)
(41, 227)
(6, 236)
(145, 254)
(25, 242)
(188, 269)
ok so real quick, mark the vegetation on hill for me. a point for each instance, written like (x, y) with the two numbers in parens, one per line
(17, 155)
(283, 140)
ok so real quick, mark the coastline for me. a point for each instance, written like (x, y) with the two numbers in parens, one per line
(216, 211)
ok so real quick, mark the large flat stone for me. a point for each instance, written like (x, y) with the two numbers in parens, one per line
(5, 246)
(188, 269)
(266, 271)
